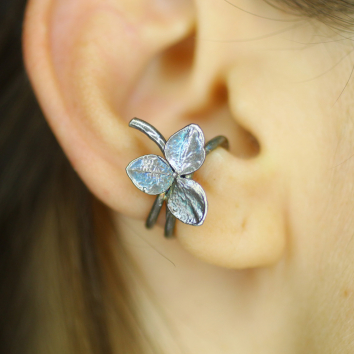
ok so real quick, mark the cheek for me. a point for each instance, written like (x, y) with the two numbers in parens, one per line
(317, 152)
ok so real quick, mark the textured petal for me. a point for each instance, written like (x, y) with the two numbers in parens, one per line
(187, 201)
(151, 174)
(185, 151)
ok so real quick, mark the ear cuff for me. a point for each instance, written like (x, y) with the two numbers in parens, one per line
(170, 178)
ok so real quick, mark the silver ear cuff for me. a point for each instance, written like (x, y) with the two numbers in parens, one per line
(170, 178)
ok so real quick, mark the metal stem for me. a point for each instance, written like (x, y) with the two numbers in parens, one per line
(170, 224)
(155, 211)
(218, 141)
(150, 131)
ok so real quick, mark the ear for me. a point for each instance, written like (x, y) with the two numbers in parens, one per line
(95, 64)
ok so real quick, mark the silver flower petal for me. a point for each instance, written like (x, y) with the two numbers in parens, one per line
(185, 151)
(151, 174)
(187, 201)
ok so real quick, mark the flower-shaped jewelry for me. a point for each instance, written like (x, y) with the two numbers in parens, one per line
(171, 178)
(184, 153)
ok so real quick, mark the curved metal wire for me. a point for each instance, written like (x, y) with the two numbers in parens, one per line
(150, 131)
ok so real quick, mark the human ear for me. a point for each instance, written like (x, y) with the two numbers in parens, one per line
(93, 62)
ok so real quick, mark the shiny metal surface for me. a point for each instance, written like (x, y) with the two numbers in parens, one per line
(150, 131)
(218, 141)
(171, 180)
(151, 174)
(187, 201)
(185, 151)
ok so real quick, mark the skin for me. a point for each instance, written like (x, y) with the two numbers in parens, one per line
(270, 271)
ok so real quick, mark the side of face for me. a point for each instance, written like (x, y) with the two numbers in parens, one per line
(278, 86)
